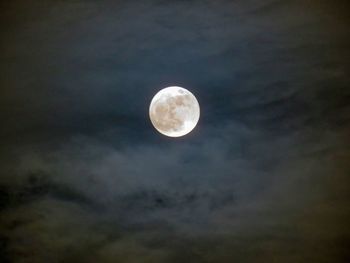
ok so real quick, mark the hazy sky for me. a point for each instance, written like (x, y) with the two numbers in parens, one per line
(264, 177)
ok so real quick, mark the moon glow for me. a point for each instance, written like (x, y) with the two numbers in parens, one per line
(174, 111)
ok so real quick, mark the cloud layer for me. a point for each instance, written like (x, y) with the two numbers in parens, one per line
(86, 178)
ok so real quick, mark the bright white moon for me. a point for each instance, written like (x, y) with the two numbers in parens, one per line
(174, 111)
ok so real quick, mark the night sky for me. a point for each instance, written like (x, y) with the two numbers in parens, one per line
(264, 177)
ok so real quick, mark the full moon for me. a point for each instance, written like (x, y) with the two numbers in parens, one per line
(174, 111)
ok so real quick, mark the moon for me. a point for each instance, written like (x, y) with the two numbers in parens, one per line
(174, 111)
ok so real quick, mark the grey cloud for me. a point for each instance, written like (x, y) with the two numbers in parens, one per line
(126, 199)
(263, 177)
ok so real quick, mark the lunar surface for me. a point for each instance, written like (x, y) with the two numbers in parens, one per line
(174, 111)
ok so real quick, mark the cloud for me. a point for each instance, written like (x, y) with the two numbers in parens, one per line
(85, 178)
(115, 202)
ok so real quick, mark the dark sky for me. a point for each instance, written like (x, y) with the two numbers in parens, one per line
(264, 177)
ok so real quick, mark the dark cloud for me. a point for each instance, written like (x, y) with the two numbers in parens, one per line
(263, 177)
